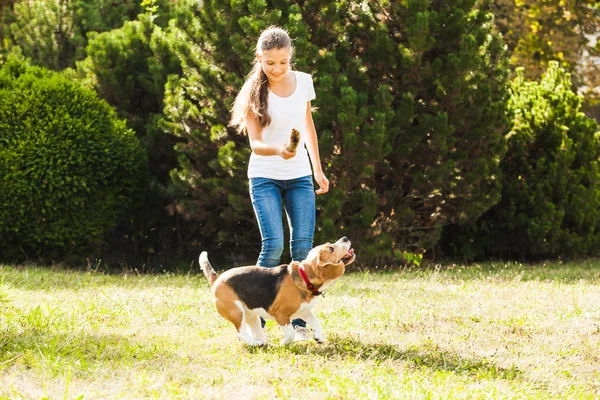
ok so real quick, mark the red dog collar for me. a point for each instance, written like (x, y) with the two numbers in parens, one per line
(309, 285)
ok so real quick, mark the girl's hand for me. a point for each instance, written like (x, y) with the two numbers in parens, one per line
(284, 152)
(323, 183)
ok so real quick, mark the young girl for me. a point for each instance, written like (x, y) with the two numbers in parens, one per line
(274, 100)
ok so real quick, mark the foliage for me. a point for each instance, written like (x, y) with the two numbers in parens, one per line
(69, 170)
(444, 120)
(5, 4)
(537, 32)
(410, 101)
(54, 33)
(551, 195)
(128, 67)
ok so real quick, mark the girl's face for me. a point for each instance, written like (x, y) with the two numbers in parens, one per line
(275, 63)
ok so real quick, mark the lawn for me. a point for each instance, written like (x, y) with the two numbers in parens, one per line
(483, 331)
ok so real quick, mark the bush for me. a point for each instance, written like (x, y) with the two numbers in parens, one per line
(128, 67)
(69, 170)
(54, 33)
(410, 99)
(550, 203)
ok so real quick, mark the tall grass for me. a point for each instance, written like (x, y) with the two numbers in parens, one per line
(484, 331)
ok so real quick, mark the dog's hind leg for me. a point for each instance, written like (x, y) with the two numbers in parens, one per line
(232, 309)
(253, 321)
(231, 312)
(245, 333)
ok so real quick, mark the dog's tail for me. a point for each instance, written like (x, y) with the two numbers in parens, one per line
(208, 270)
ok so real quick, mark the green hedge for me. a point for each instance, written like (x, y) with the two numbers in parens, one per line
(54, 33)
(69, 169)
(550, 203)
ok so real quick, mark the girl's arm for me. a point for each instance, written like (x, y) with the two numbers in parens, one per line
(261, 148)
(312, 145)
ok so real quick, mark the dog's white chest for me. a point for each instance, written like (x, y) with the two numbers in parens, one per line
(305, 308)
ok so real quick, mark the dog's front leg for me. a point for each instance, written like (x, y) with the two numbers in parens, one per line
(314, 323)
(289, 334)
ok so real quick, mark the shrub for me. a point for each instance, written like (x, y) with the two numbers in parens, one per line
(54, 33)
(69, 170)
(128, 67)
(550, 203)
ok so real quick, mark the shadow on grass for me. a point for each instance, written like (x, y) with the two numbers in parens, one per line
(429, 356)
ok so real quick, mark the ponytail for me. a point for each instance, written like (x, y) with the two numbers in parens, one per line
(252, 100)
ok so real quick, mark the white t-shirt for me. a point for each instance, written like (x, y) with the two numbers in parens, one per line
(286, 113)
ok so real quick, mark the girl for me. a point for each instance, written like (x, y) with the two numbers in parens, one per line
(274, 100)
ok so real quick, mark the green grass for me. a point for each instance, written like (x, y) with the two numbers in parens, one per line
(484, 331)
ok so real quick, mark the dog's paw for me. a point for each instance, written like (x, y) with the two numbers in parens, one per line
(250, 341)
(320, 339)
(257, 343)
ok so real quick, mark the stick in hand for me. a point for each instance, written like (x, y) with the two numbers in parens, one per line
(293, 142)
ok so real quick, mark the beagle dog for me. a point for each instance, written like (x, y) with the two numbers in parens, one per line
(242, 295)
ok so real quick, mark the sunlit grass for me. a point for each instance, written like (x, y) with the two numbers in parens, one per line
(483, 331)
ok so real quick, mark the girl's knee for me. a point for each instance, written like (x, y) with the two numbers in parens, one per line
(300, 249)
(274, 247)
(270, 254)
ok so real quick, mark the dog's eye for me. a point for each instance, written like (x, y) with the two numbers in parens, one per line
(331, 249)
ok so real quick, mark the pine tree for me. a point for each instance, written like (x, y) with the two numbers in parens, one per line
(128, 67)
(53, 33)
(550, 203)
(436, 77)
(410, 101)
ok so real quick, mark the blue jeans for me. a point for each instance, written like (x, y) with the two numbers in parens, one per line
(297, 197)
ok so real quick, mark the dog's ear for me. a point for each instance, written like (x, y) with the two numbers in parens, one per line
(331, 271)
(324, 257)
(324, 260)
(338, 265)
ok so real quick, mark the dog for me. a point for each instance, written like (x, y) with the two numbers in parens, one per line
(244, 294)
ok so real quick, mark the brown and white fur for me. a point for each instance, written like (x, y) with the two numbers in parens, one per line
(242, 295)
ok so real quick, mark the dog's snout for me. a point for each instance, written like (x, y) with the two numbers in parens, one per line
(345, 239)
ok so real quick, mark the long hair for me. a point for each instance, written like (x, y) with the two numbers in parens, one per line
(253, 97)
